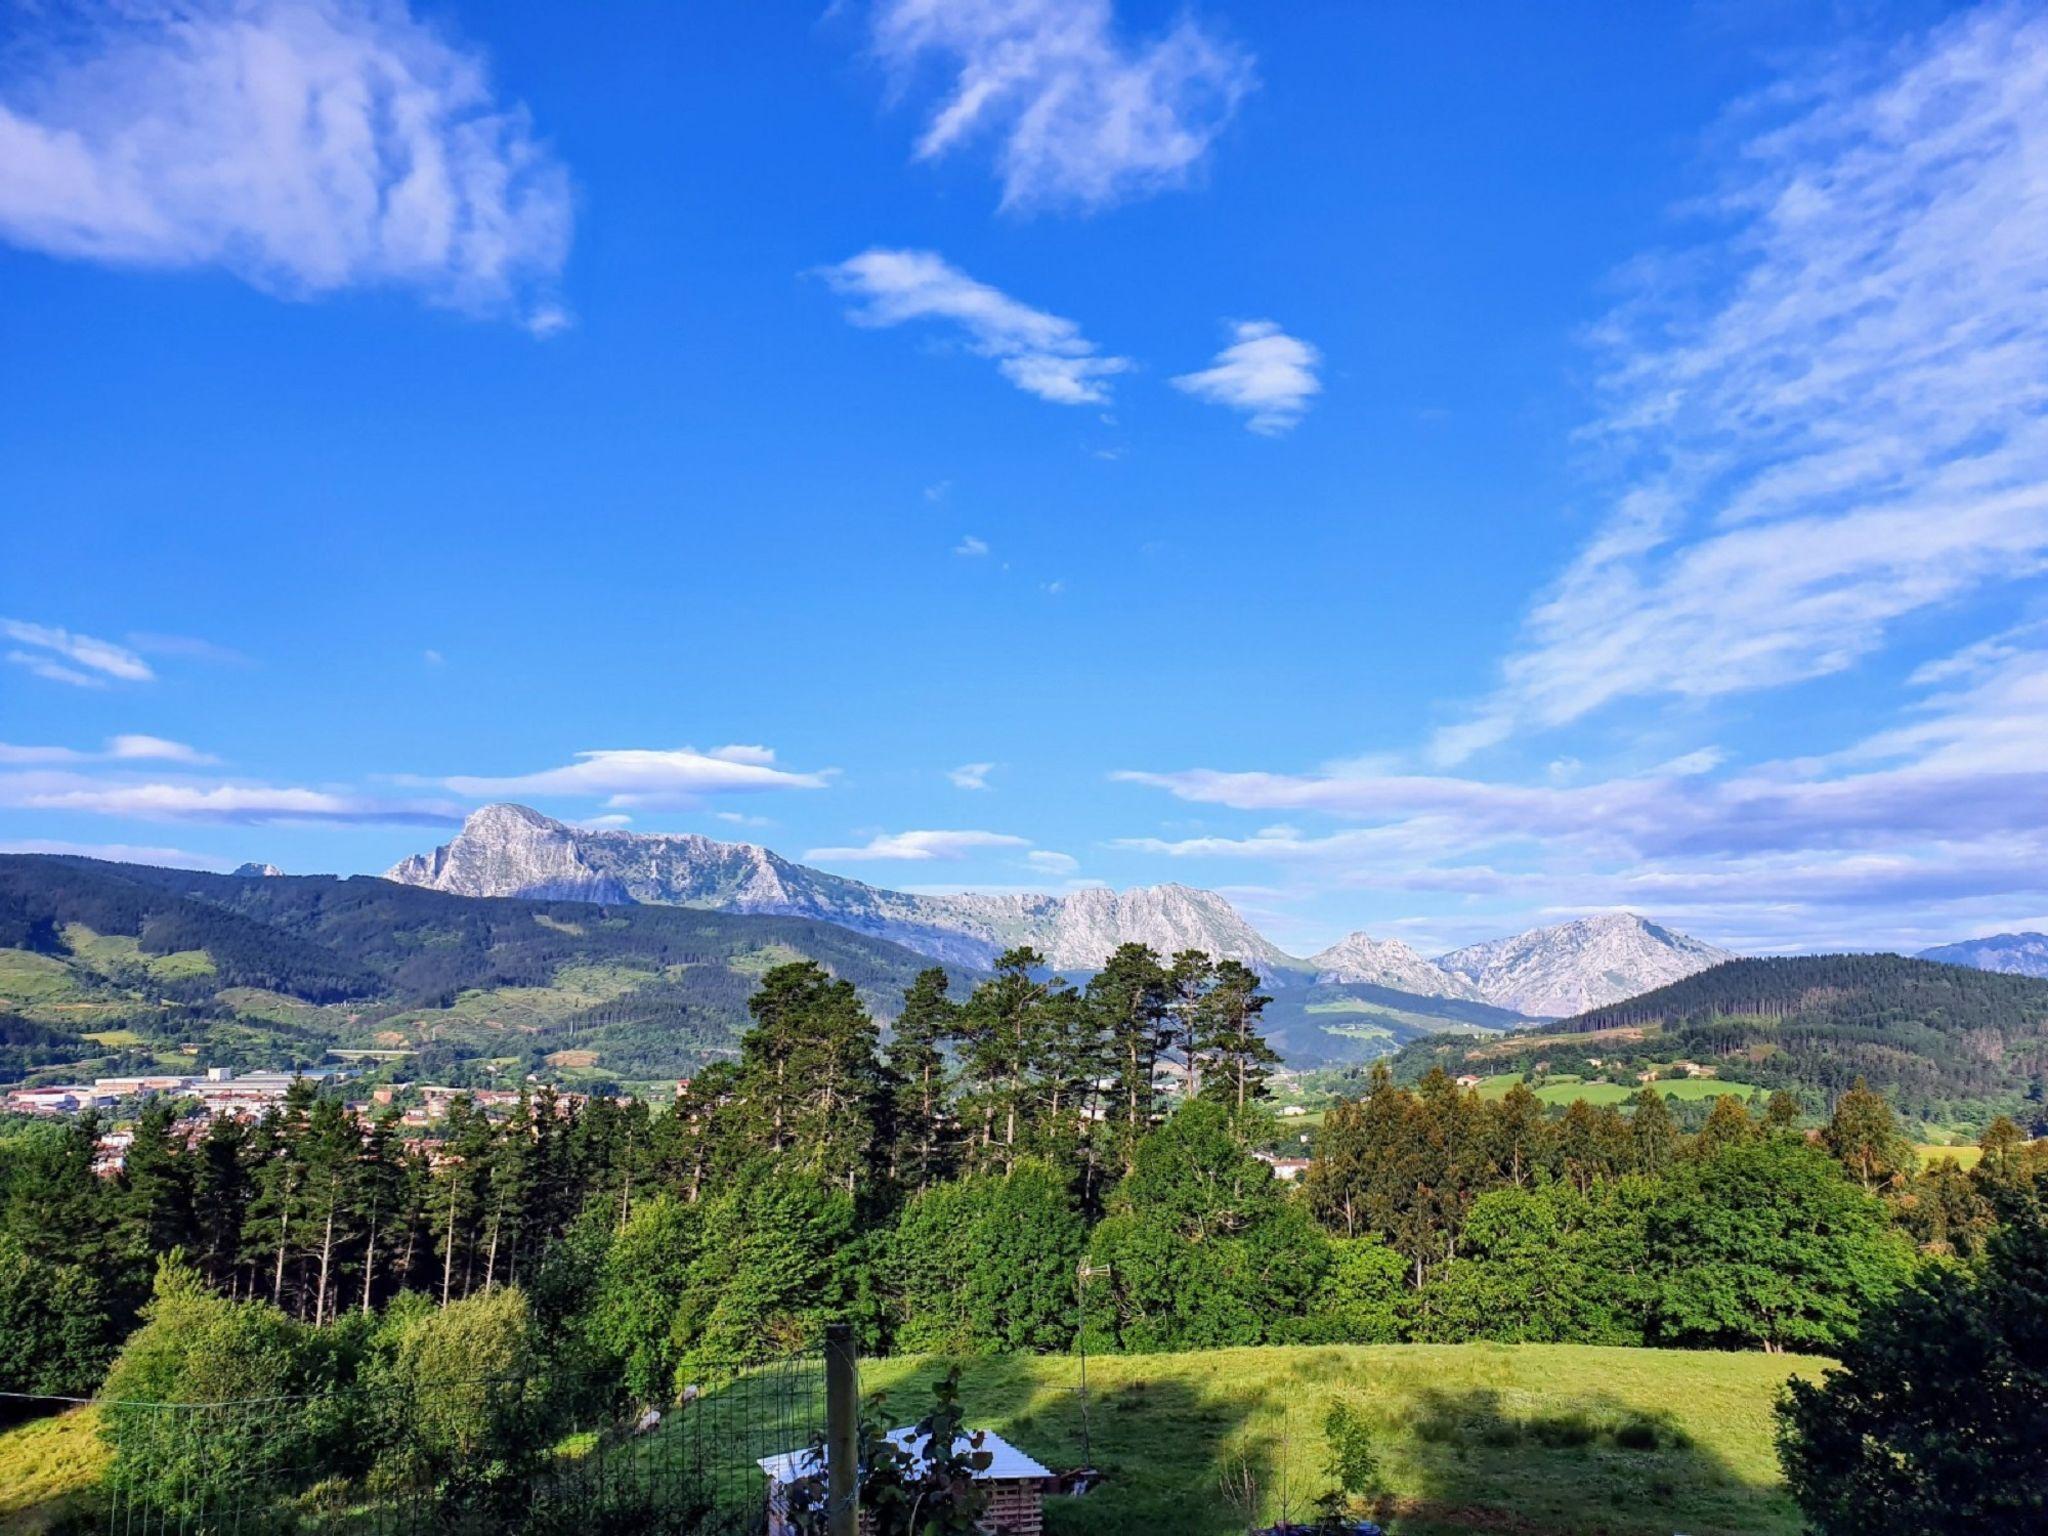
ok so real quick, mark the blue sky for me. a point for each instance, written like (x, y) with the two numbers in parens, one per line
(1429, 470)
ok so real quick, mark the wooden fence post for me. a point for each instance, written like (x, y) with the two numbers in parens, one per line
(842, 1430)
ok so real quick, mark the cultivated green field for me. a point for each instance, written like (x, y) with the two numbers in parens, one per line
(1564, 1088)
(1540, 1440)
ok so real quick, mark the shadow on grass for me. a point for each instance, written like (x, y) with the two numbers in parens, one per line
(1174, 1454)
(1476, 1462)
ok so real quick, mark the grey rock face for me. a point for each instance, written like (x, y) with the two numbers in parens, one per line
(1557, 972)
(1390, 963)
(2017, 954)
(511, 850)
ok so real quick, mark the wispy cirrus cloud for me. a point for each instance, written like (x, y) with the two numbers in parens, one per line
(1267, 374)
(65, 656)
(1937, 820)
(971, 775)
(304, 145)
(641, 778)
(1042, 354)
(1082, 117)
(119, 853)
(118, 749)
(919, 847)
(214, 801)
(1827, 416)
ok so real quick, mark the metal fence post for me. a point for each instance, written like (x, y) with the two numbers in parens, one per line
(842, 1427)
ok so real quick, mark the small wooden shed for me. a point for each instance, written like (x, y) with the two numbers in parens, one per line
(1016, 1499)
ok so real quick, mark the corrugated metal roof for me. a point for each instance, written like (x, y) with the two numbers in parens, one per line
(1006, 1460)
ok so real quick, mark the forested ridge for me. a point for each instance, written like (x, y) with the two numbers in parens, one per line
(1943, 1042)
(366, 951)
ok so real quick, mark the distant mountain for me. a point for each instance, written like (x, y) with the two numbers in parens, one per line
(274, 971)
(512, 850)
(256, 871)
(1389, 963)
(2016, 954)
(1560, 971)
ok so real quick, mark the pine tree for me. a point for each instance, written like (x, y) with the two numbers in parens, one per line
(333, 1149)
(1129, 994)
(1006, 1033)
(221, 1190)
(917, 1068)
(1187, 982)
(154, 1193)
(1236, 1058)
(1520, 1135)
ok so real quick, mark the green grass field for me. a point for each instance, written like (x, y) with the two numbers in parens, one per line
(1966, 1157)
(26, 977)
(1536, 1439)
(44, 1466)
(1539, 1440)
(1564, 1089)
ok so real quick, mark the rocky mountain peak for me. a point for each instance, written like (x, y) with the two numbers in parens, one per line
(1587, 963)
(1359, 957)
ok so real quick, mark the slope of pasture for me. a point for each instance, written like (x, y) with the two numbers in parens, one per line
(1539, 1440)
(1542, 1440)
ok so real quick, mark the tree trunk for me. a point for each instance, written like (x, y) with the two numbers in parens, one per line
(326, 1265)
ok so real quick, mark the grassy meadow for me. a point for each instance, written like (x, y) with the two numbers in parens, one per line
(46, 1465)
(1540, 1440)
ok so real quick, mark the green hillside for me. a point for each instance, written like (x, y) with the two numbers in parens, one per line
(112, 968)
(1537, 1439)
(1344, 1023)
(1947, 1044)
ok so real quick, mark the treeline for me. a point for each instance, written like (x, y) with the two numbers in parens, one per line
(1030, 1167)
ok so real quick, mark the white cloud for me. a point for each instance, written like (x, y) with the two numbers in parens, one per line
(971, 547)
(117, 749)
(433, 658)
(742, 819)
(971, 775)
(918, 847)
(1829, 416)
(634, 779)
(1264, 372)
(64, 656)
(605, 823)
(1914, 833)
(1082, 117)
(189, 647)
(1048, 862)
(1042, 354)
(193, 800)
(119, 853)
(304, 145)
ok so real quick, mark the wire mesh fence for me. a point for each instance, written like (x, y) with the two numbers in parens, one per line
(524, 1456)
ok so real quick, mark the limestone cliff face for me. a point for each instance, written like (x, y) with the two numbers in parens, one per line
(1557, 972)
(1390, 963)
(511, 850)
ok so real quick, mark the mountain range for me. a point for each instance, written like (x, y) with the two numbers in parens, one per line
(513, 850)
(2016, 954)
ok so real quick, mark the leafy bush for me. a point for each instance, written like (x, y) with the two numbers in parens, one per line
(1938, 1417)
